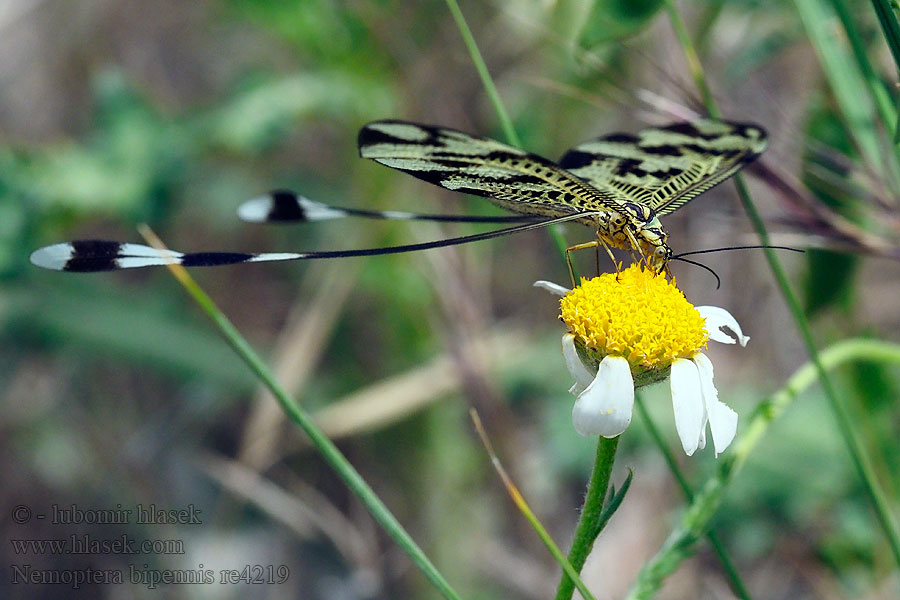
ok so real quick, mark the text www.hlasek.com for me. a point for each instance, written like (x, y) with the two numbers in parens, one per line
(85, 544)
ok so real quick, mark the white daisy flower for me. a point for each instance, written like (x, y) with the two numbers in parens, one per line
(634, 328)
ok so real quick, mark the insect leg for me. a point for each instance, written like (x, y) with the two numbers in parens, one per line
(634, 244)
(598, 243)
(601, 242)
(571, 249)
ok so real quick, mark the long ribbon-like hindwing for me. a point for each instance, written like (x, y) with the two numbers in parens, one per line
(617, 184)
(86, 256)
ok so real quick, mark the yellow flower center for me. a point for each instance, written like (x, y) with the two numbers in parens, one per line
(638, 315)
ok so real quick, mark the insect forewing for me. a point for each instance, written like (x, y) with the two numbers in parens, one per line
(512, 178)
(665, 167)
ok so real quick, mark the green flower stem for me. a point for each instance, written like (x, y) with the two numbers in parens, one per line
(350, 476)
(734, 578)
(860, 459)
(589, 524)
(491, 89)
(695, 522)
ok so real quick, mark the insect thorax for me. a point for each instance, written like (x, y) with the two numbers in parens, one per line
(635, 223)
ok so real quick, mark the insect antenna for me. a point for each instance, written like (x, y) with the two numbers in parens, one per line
(701, 265)
(711, 250)
(725, 248)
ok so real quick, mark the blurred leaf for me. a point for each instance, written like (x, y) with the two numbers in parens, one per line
(115, 324)
(851, 545)
(615, 19)
(845, 80)
(14, 227)
(759, 52)
(268, 111)
(877, 386)
(830, 275)
(324, 29)
(803, 440)
(830, 280)
(887, 18)
(131, 155)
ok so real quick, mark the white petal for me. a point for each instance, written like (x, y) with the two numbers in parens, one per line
(582, 376)
(553, 288)
(716, 318)
(722, 420)
(604, 408)
(687, 403)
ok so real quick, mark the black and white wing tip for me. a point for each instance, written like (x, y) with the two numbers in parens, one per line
(87, 256)
(100, 255)
(285, 206)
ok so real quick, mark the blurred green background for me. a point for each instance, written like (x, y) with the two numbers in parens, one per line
(116, 391)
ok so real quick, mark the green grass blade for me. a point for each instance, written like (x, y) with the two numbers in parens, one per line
(485, 75)
(696, 519)
(491, 89)
(329, 452)
(734, 578)
(693, 60)
(857, 452)
(526, 511)
(887, 18)
(845, 82)
(877, 90)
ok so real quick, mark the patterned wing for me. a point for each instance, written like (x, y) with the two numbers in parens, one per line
(512, 178)
(666, 167)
